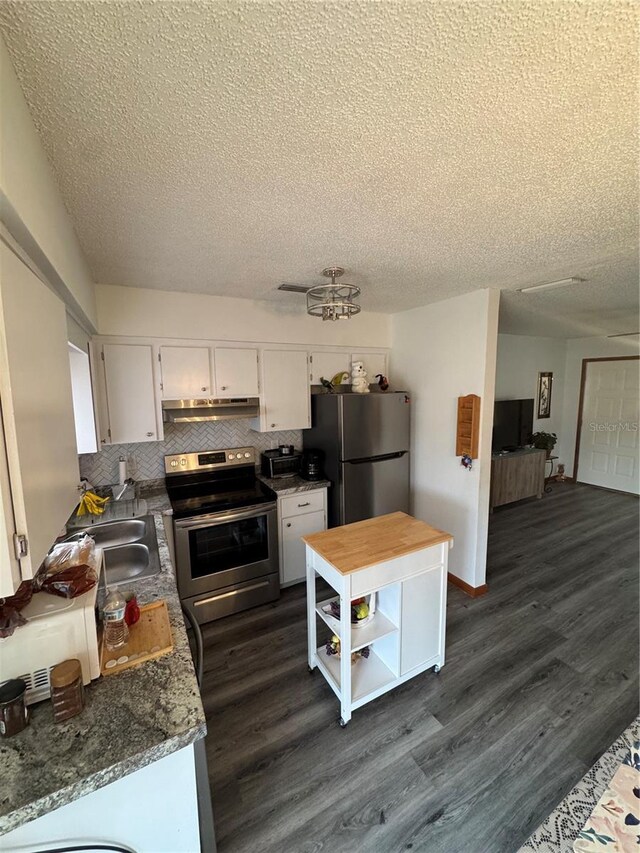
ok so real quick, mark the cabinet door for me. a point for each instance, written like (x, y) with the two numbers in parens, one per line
(374, 362)
(236, 372)
(128, 370)
(186, 372)
(327, 364)
(39, 475)
(422, 618)
(286, 397)
(293, 548)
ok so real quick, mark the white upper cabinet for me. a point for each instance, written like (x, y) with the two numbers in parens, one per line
(374, 362)
(129, 385)
(186, 372)
(286, 401)
(38, 458)
(236, 372)
(327, 364)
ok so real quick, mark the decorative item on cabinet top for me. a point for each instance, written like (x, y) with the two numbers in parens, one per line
(468, 428)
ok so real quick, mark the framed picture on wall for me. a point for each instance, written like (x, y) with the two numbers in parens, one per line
(545, 381)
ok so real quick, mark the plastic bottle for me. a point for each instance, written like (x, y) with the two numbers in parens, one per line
(116, 632)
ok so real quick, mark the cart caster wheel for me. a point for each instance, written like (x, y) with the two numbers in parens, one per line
(342, 723)
(436, 669)
(311, 669)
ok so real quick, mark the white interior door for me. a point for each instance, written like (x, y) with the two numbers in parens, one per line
(609, 445)
(37, 410)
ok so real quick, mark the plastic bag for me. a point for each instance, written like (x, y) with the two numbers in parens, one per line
(70, 582)
(77, 552)
(70, 569)
(10, 616)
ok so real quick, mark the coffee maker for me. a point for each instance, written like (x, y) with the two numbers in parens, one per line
(312, 464)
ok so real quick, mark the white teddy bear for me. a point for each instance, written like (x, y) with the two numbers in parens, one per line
(359, 384)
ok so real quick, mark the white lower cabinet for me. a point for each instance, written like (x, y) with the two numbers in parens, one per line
(152, 810)
(299, 515)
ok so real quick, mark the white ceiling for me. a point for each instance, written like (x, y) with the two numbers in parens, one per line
(431, 148)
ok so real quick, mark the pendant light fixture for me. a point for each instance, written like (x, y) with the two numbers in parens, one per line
(334, 301)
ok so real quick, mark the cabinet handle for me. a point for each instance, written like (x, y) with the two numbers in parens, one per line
(103, 441)
(288, 524)
(149, 434)
(223, 387)
(306, 503)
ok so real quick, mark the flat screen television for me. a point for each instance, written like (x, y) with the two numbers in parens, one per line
(512, 424)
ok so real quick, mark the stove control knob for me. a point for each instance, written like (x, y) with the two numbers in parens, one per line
(183, 461)
(232, 456)
(174, 463)
(247, 456)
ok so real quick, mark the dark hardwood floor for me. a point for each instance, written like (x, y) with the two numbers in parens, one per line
(541, 676)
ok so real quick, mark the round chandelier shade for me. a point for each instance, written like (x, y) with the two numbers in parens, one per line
(333, 301)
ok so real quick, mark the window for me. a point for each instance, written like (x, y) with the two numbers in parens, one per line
(82, 400)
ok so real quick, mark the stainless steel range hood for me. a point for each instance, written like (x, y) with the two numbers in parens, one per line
(209, 409)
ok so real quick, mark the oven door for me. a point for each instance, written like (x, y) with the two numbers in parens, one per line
(223, 549)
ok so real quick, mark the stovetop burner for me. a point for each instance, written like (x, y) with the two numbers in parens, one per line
(214, 482)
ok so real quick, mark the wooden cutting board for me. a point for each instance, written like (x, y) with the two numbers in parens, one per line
(149, 638)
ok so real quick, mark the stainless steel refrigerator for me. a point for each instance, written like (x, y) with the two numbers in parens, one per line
(365, 439)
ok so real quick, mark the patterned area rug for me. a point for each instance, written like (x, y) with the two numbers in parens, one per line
(614, 823)
(564, 830)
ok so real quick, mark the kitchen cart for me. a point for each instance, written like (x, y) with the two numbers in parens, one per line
(404, 561)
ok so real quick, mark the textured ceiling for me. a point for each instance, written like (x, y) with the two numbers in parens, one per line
(431, 148)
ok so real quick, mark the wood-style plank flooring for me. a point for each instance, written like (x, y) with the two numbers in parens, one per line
(541, 676)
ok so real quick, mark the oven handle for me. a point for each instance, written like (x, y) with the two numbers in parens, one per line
(200, 521)
(232, 592)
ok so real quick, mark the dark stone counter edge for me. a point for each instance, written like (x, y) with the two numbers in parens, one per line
(39, 808)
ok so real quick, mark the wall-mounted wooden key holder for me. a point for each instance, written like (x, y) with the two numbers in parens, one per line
(468, 426)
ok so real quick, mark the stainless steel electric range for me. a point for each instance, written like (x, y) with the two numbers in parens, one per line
(226, 532)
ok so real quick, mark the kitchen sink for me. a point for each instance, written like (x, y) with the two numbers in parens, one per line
(130, 548)
(113, 533)
(126, 563)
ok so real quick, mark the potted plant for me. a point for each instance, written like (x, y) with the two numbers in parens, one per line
(544, 441)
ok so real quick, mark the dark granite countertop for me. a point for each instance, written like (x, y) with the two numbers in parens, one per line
(290, 485)
(130, 720)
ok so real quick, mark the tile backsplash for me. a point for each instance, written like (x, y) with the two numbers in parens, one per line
(146, 460)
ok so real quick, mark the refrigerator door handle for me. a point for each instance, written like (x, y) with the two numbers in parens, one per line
(382, 458)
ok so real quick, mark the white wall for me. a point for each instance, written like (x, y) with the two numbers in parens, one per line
(440, 352)
(31, 205)
(158, 313)
(577, 349)
(520, 359)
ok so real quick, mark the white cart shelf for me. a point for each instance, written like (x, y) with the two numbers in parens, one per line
(404, 561)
